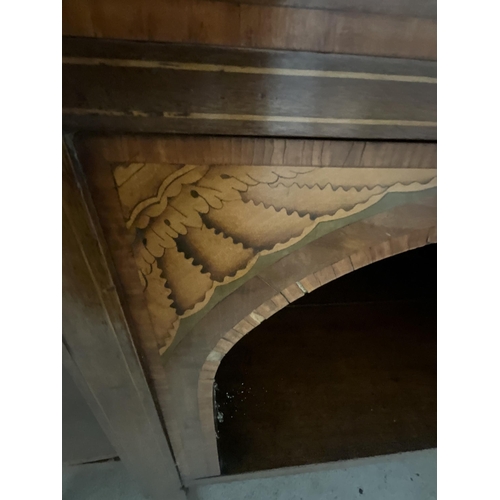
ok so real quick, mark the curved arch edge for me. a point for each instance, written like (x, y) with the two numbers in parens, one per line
(310, 282)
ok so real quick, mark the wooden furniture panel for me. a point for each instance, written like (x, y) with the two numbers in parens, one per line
(416, 8)
(250, 225)
(125, 86)
(196, 227)
(201, 229)
(201, 150)
(83, 439)
(257, 25)
(100, 354)
(191, 357)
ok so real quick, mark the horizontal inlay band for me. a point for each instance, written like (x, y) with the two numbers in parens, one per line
(254, 118)
(217, 68)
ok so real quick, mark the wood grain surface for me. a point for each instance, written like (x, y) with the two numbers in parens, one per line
(184, 395)
(213, 150)
(420, 8)
(129, 87)
(195, 226)
(98, 349)
(257, 25)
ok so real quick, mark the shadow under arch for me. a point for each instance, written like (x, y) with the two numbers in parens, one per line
(192, 367)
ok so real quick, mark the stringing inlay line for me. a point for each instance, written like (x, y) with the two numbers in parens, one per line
(129, 63)
(254, 118)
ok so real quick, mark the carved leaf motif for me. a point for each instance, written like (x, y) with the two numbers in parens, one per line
(163, 316)
(170, 187)
(359, 177)
(140, 181)
(256, 226)
(199, 227)
(218, 254)
(314, 201)
(187, 281)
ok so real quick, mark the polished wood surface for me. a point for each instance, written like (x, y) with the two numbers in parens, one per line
(99, 352)
(408, 221)
(212, 150)
(257, 25)
(197, 227)
(128, 87)
(176, 286)
(416, 8)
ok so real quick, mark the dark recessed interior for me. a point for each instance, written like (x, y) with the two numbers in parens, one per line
(347, 371)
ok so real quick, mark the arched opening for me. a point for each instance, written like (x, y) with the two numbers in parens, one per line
(347, 371)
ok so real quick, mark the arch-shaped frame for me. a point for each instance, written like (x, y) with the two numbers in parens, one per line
(191, 367)
(177, 367)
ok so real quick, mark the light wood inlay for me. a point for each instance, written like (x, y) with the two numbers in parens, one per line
(349, 75)
(253, 118)
(138, 182)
